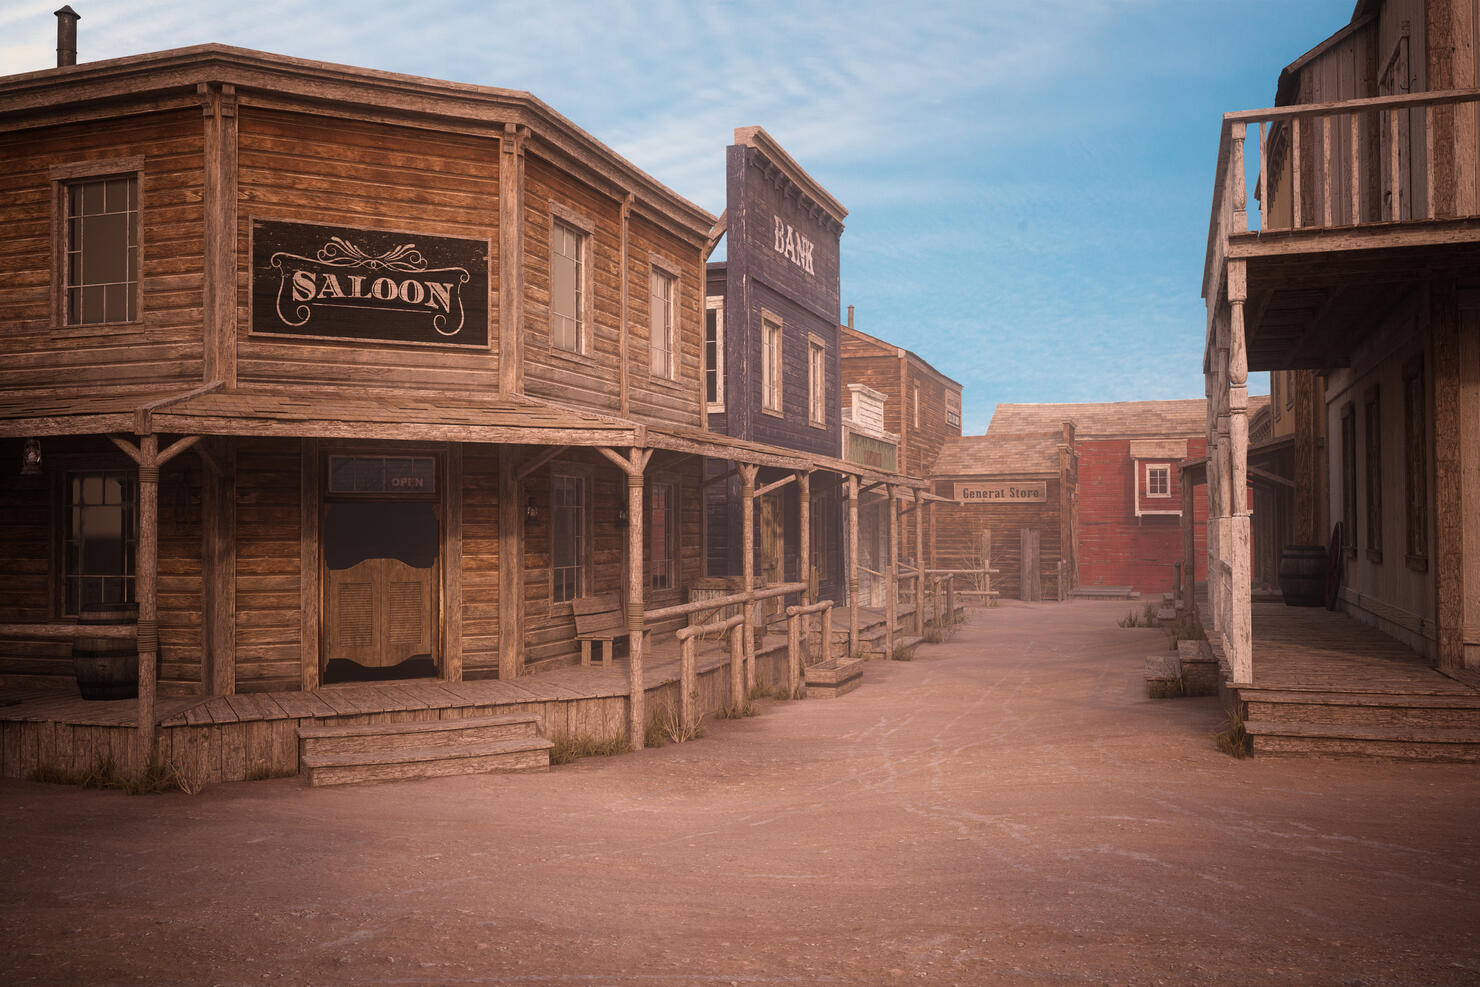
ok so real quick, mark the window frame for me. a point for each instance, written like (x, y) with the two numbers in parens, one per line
(582, 229)
(715, 304)
(1372, 449)
(816, 381)
(821, 509)
(670, 532)
(63, 177)
(771, 363)
(64, 532)
(1416, 469)
(1165, 469)
(582, 553)
(658, 271)
(1348, 426)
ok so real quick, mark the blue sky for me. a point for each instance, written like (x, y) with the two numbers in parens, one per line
(1028, 183)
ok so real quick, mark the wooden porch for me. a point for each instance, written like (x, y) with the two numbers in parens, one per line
(1325, 683)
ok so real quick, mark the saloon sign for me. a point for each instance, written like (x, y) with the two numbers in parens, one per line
(331, 282)
(1011, 492)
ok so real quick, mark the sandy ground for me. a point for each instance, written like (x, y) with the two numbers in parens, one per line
(1007, 808)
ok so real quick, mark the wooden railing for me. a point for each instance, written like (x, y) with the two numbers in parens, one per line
(794, 632)
(688, 670)
(1358, 156)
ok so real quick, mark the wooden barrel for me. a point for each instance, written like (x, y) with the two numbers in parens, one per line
(107, 667)
(1303, 575)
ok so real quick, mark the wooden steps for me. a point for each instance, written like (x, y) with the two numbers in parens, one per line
(1104, 593)
(1411, 743)
(1413, 726)
(338, 755)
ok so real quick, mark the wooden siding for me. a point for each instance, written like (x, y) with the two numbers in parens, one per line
(165, 345)
(316, 169)
(268, 610)
(653, 398)
(876, 364)
(958, 530)
(480, 555)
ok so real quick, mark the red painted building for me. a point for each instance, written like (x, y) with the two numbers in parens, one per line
(1128, 495)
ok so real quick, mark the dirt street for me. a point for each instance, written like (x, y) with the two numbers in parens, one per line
(1007, 808)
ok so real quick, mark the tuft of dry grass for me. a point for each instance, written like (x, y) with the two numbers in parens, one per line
(902, 653)
(568, 747)
(739, 711)
(1233, 739)
(669, 727)
(158, 776)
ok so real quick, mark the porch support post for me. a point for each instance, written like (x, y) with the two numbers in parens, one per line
(891, 595)
(511, 563)
(145, 590)
(919, 563)
(1239, 639)
(853, 602)
(638, 699)
(1189, 545)
(804, 550)
(747, 567)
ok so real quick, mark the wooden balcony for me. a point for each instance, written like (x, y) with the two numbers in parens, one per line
(1337, 211)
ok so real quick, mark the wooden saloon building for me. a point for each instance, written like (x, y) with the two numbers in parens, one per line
(345, 376)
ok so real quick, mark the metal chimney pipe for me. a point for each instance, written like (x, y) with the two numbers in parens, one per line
(67, 19)
(850, 316)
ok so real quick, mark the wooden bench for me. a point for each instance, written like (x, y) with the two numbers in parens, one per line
(599, 619)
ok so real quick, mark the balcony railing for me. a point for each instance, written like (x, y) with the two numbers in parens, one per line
(1355, 163)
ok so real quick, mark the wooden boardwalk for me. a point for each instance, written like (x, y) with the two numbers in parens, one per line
(1314, 649)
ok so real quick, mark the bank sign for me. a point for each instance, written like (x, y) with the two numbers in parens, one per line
(1011, 492)
(346, 283)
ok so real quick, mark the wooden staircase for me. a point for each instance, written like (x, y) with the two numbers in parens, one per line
(340, 755)
(1427, 726)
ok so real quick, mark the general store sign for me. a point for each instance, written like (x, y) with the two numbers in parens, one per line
(337, 282)
(1010, 492)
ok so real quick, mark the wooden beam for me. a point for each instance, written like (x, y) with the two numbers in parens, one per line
(175, 448)
(804, 546)
(853, 602)
(218, 557)
(636, 581)
(624, 330)
(720, 478)
(146, 591)
(747, 569)
(219, 196)
(129, 449)
(772, 487)
(511, 259)
(540, 460)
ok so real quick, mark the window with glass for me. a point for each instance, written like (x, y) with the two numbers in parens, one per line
(1415, 448)
(101, 537)
(101, 266)
(1159, 480)
(567, 287)
(771, 365)
(567, 537)
(1349, 478)
(662, 536)
(661, 330)
(714, 353)
(816, 382)
(1372, 424)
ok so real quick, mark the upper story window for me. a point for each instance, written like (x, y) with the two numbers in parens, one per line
(568, 541)
(771, 364)
(661, 328)
(100, 538)
(714, 353)
(1158, 480)
(816, 382)
(100, 248)
(568, 248)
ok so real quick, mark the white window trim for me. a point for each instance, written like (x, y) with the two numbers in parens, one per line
(1164, 467)
(816, 386)
(585, 228)
(715, 304)
(772, 365)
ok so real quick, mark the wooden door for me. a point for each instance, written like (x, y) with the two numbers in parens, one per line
(773, 551)
(379, 613)
(1029, 584)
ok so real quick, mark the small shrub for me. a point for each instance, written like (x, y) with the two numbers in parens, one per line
(567, 747)
(1148, 615)
(1233, 739)
(1131, 619)
(765, 690)
(1185, 628)
(902, 653)
(739, 711)
(670, 727)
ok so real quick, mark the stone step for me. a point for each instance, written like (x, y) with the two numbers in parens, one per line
(359, 738)
(1364, 709)
(1104, 593)
(435, 761)
(1291, 738)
